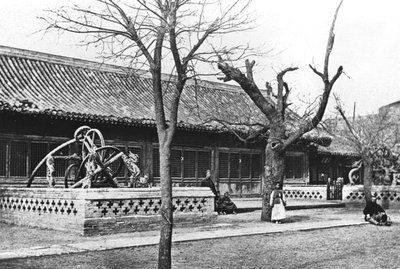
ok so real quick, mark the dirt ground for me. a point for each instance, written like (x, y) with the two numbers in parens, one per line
(364, 247)
(14, 237)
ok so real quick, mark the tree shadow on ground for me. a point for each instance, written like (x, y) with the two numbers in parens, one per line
(292, 219)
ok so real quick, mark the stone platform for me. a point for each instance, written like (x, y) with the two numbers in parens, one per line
(102, 210)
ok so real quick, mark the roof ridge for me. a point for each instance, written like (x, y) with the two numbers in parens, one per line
(104, 67)
(59, 59)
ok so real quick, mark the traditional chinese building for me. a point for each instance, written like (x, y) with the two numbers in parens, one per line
(44, 98)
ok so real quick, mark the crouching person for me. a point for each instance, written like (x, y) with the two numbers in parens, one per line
(225, 205)
(375, 214)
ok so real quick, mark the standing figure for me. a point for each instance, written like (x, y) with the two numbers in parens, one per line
(207, 182)
(50, 171)
(131, 162)
(278, 203)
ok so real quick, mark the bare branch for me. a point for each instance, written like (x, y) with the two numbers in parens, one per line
(331, 40)
(249, 87)
(317, 72)
(349, 126)
(249, 70)
(245, 137)
(328, 85)
(281, 99)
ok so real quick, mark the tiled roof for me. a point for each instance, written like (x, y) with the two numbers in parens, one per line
(339, 146)
(60, 87)
(65, 88)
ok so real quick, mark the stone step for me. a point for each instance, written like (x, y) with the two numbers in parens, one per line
(251, 204)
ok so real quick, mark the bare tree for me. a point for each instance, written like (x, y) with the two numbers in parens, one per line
(158, 34)
(280, 136)
(374, 137)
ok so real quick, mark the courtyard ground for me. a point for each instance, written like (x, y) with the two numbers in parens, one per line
(313, 238)
(22, 241)
(364, 246)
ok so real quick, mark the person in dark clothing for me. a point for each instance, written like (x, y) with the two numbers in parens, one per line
(225, 205)
(207, 182)
(375, 214)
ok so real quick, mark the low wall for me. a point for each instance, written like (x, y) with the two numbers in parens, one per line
(305, 192)
(387, 196)
(104, 210)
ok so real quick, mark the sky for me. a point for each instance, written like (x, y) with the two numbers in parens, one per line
(366, 45)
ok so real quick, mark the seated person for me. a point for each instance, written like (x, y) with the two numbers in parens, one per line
(225, 205)
(375, 214)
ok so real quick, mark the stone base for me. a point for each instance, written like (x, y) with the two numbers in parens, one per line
(103, 210)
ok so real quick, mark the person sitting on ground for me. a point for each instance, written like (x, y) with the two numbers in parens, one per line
(375, 214)
(225, 205)
(218, 204)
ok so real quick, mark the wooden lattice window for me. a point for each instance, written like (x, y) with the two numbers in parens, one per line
(289, 169)
(294, 166)
(223, 165)
(185, 163)
(255, 166)
(38, 152)
(156, 162)
(204, 162)
(3, 157)
(234, 165)
(189, 164)
(18, 159)
(245, 165)
(239, 165)
(299, 167)
(176, 163)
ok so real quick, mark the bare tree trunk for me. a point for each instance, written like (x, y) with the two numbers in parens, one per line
(368, 176)
(274, 168)
(141, 30)
(165, 135)
(274, 173)
(164, 255)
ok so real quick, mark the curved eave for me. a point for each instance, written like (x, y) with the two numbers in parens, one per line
(104, 119)
(324, 141)
(337, 153)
